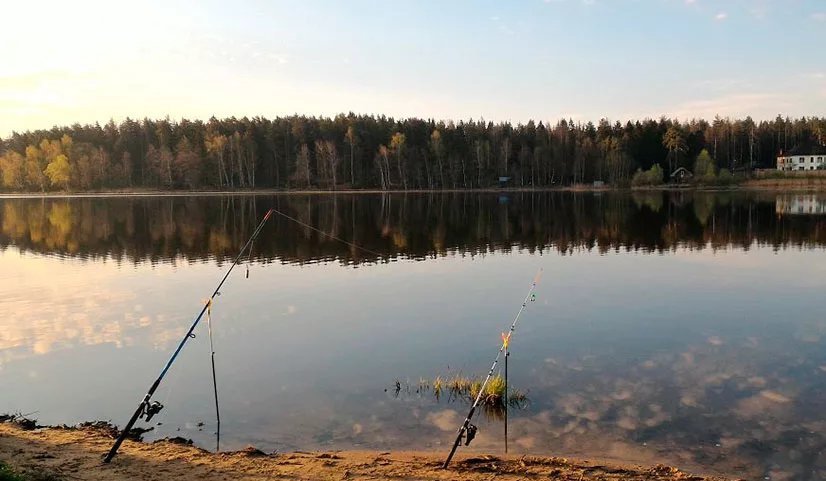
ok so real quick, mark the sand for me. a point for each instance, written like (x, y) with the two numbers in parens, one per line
(76, 454)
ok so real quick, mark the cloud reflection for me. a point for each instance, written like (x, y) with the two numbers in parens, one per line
(41, 317)
(726, 405)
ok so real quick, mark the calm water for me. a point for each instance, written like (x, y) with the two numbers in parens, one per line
(686, 328)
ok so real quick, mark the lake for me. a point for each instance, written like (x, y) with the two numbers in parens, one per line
(686, 328)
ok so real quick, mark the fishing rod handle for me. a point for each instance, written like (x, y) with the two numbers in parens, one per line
(458, 441)
(114, 450)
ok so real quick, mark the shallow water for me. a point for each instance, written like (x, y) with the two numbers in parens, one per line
(683, 327)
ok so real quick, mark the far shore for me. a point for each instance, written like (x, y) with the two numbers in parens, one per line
(75, 453)
(767, 185)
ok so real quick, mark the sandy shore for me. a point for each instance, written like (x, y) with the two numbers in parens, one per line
(76, 453)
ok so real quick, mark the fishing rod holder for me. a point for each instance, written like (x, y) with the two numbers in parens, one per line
(150, 409)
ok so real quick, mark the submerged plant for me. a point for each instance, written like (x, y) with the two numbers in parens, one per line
(437, 387)
(466, 389)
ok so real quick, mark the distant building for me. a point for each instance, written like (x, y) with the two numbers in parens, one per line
(681, 175)
(504, 181)
(803, 157)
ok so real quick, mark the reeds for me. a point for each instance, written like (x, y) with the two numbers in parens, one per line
(467, 389)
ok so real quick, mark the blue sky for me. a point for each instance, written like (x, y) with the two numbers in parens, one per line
(93, 60)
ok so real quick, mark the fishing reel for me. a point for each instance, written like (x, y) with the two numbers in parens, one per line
(150, 410)
(470, 433)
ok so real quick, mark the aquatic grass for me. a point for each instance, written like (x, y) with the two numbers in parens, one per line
(437, 387)
(494, 390)
(466, 388)
(457, 385)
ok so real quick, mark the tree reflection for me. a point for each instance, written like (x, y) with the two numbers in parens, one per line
(412, 226)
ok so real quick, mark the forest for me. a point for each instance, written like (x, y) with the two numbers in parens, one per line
(381, 153)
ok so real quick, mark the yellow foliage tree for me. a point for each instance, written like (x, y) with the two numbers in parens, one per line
(51, 149)
(59, 171)
(35, 163)
(12, 170)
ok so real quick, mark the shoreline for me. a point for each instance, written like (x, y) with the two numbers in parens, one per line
(65, 453)
(764, 185)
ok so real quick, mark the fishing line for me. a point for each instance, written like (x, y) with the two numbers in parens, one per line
(331, 236)
(148, 408)
(466, 427)
(173, 378)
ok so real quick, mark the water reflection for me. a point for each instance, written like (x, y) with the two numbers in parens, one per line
(725, 403)
(801, 204)
(51, 307)
(409, 226)
(710, 356)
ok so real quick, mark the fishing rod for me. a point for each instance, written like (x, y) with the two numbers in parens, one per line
(466, 427)
(149, 409)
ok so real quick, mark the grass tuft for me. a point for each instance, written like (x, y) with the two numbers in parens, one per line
(8, 474)
(466, 388)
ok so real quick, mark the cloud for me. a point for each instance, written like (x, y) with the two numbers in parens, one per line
(721, 16)
(819, 16)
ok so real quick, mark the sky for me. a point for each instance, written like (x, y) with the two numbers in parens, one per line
(93, 60)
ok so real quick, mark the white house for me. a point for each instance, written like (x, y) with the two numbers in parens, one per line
(808, 157)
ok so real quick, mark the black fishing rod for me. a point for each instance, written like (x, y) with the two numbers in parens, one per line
(466, 427)
(149, 409)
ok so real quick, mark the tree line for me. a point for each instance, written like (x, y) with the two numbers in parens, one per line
(378, 152)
